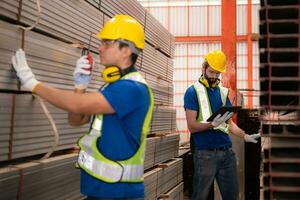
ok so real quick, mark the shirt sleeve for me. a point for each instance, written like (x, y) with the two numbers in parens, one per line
(125, 96)
(191, 99)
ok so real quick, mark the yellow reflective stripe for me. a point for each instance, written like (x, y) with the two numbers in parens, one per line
(97, 123)
(135, 76)
(224, 93)
(110, 173)
(204, 102)
(94, 163)
(204, 105)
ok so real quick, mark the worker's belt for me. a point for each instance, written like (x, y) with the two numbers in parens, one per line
(219, 148)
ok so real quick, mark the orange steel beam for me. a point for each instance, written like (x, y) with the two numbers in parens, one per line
(228, 41)
(250, 55)
(207, 38)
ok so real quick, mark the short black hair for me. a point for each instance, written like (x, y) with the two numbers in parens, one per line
(133, 56)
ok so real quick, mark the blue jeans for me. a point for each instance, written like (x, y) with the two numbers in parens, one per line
(219, 165)
(96, 198)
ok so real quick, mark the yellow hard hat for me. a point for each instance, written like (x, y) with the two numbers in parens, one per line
(123, 27)
(216, 60)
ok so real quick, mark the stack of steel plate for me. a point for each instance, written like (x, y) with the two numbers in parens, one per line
(128, 7)
(154, 62)
(158, 36)
(163, 179)
(171, 175)
(52, 61)
(163, 120)
(150, 152)
(53, 178)
(52, 48)
(280, 100)
(161, 89)
(70, 21)
(175, 193)
(161, 149)
(27, 135)
(166, 148)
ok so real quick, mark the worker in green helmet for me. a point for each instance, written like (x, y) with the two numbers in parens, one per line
(112, 152)
(213, 156)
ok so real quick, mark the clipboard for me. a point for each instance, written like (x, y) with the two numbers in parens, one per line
(223, 110)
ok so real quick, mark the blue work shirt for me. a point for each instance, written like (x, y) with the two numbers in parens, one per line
(210, 138)
(121, 136)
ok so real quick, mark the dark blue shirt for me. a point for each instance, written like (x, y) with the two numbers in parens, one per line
(121, 136)
(209, 138)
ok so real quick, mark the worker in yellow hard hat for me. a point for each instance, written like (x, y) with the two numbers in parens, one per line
(211, 145)
(112, 153)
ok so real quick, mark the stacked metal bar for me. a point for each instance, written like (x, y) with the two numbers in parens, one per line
(53, 178)
(32, 133)
(174, 194)
(52, 49)
(163, 179)
(280, 85)
(161, 149)
(163, 120)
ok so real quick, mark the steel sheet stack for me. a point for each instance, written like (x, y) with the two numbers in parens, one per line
(52, 48)
(280, 99)
(164, 180)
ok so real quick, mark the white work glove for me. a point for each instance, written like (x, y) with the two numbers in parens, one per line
(24, 72)
(252, 138)
(83, 71)
(219, 119)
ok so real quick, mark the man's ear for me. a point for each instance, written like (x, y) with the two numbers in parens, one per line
(126, 51)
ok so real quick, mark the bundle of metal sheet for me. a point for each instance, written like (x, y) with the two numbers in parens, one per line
(154, 62)
(163, 120)
(175, 193)
(166, 148)
(162, 90)
(158, 35)
(52, 61)
(162, 179)
(29, 132)
(71, 21)
(150, 152)
(6, 102)
(171, 175)
(53, 178)
(280, 85)
(161, 149)
(129, 7)
(151, 184)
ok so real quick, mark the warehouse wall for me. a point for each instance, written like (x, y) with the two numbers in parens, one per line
(202, 20)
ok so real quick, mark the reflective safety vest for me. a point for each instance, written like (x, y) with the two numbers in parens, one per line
(92, 161)
(204, 104)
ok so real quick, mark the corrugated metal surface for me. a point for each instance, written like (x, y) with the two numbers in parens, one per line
(160, 14)
(214, 20)
(241, 18)
(198, 23)
(178, 21)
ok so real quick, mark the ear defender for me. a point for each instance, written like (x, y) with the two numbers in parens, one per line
(111, 74)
